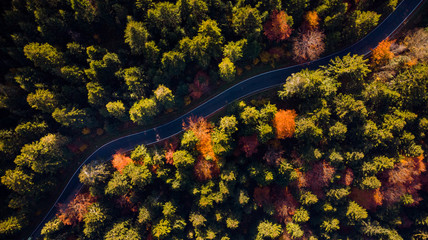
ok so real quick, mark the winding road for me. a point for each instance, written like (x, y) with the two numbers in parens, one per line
(241, 90)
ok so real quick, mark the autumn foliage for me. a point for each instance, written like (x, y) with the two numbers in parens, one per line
(205, 170)
(308, 45)
(405, 178)
(284, 123)
(347, 177)
(249, 144)
(199, 86)
(285, 205)
(382, 53)
(73, 213)
(120, 161)
(202, 130)
(126, 203)
(368, 199)
(311, 20)
(318, 177)
(277, 28)
(262, 195)
(206, 166)
(170, 148)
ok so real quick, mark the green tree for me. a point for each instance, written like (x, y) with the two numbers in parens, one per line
(117, 109)
(18, 181)
(361, 23)
(164, 96)
(349, 70)
(355, 213)
(94, 173)
(234, 50)
(10, 226)
(43, 100)
(96, 219)
(165, 19)
(162, 229)
(119, 185)
(44, 156)
(228, 124)
(121, 231)
(267, 229)
(96, 94)
(73, 74)
(294, 230)
(250, 115)
(348, 109)
(52, 228)
(309, 85)
(136, 81)
(227, 70)
(265, 132)
(301, 215)
(143, 111)
(136, 36)
(246, 22)
(307, 130)
(330, 225)
(30, 131)
(76, 118)
(141, 154)
(193, 12)
(44, 55)
(139, 175)
(144, 215)
(337, 132)
(182, 159)
(173, 63)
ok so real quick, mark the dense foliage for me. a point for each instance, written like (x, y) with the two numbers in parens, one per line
(76, 69)
(340, 155)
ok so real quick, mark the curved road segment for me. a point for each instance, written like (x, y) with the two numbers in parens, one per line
(245, 88)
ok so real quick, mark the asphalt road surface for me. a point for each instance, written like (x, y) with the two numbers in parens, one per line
(245, 88)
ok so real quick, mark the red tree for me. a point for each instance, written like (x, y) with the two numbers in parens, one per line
(382, 53)
(199, 86)
(319, 177)
(273, 157)
(170, 149)
(284, 123)
(249, 144)
(205, 170)
(347, 177)
(311, 20)
(405, 178)
(262, 195)
(73, 213)
(120, 161)
(126, 203)
(202, 130)
(277, 28)
(285, 205)
(368, 199)
(308, 46)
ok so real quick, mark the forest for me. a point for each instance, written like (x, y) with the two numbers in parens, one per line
(77, 70)
(339, 153)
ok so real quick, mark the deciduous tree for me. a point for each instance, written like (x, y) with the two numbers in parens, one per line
(75, 211)
(382, 53)
(278, 28)
(120, 161)
(284, 123)
(308, 46)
